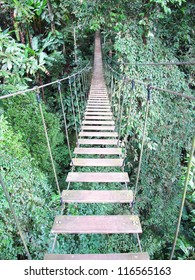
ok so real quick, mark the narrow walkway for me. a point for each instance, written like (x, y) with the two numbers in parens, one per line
(98, 129)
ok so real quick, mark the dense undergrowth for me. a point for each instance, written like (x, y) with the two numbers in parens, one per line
(37, 46)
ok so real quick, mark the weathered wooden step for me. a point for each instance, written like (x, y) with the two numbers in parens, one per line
(97, 162)
(99, 177)
(101, 105)
(98, 113)
(97, 141)
(123, 256)
(96, 127)
(98, 99)
(98, 107)
(97, 224)
(97, 104)
(98, 91)
(98, 134)
(98, 122)
(98, 110)
(97, 196)
(98, 94)
(98, 151)
(98, 118)
(103, 89)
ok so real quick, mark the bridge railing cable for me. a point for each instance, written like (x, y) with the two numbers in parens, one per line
(180, 94)
(149, 63)
(87, 67)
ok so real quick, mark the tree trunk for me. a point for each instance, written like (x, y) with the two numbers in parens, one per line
(51, 16)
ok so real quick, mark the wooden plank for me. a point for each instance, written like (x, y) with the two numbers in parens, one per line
(98, 90)
(99, 177)
(97, 127)
(101, 105)
(97, 196)
(105, 99)
(98, 134)
(99, 94)
(98, 118)
(98, 107)
(123, 256)
(97, 224)
(98, 110)
(98, 100)
(91, 103)
(98, 122)
(97, 162)
(97, 141)
(98, 113)
(104, 94)
(98, 151)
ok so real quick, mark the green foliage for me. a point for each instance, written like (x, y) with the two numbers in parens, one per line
(31, 195)
(24, 115)
(37, 46)
(185, 244)
(169, 131)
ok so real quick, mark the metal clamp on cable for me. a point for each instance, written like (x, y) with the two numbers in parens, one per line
(38, 95)
(132, 204)
(71, 80)
(59, 85)
(149, 89)
(132, 84)
(125, 80)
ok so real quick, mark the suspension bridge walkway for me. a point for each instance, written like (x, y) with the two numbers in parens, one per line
(98, 129)
(98, 148)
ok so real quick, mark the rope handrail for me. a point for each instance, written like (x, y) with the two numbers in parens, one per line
(45, 85)
(155, 87)
(154, 63)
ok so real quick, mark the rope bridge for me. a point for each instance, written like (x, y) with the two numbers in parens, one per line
(97, 129)
(98, 145)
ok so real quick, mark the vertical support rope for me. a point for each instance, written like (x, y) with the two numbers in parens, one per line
(81, 93)
(130, 106)
(119, 103)
(56, 234)
(111, 90)
(48, 143)
(183, 198)
(75, 46)
(121, 116)
(114, 96)
(75, 124)
(65, 123)
(15, 217)
(139, 242)
(83, 86)
(143, 141)
(75, 92)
